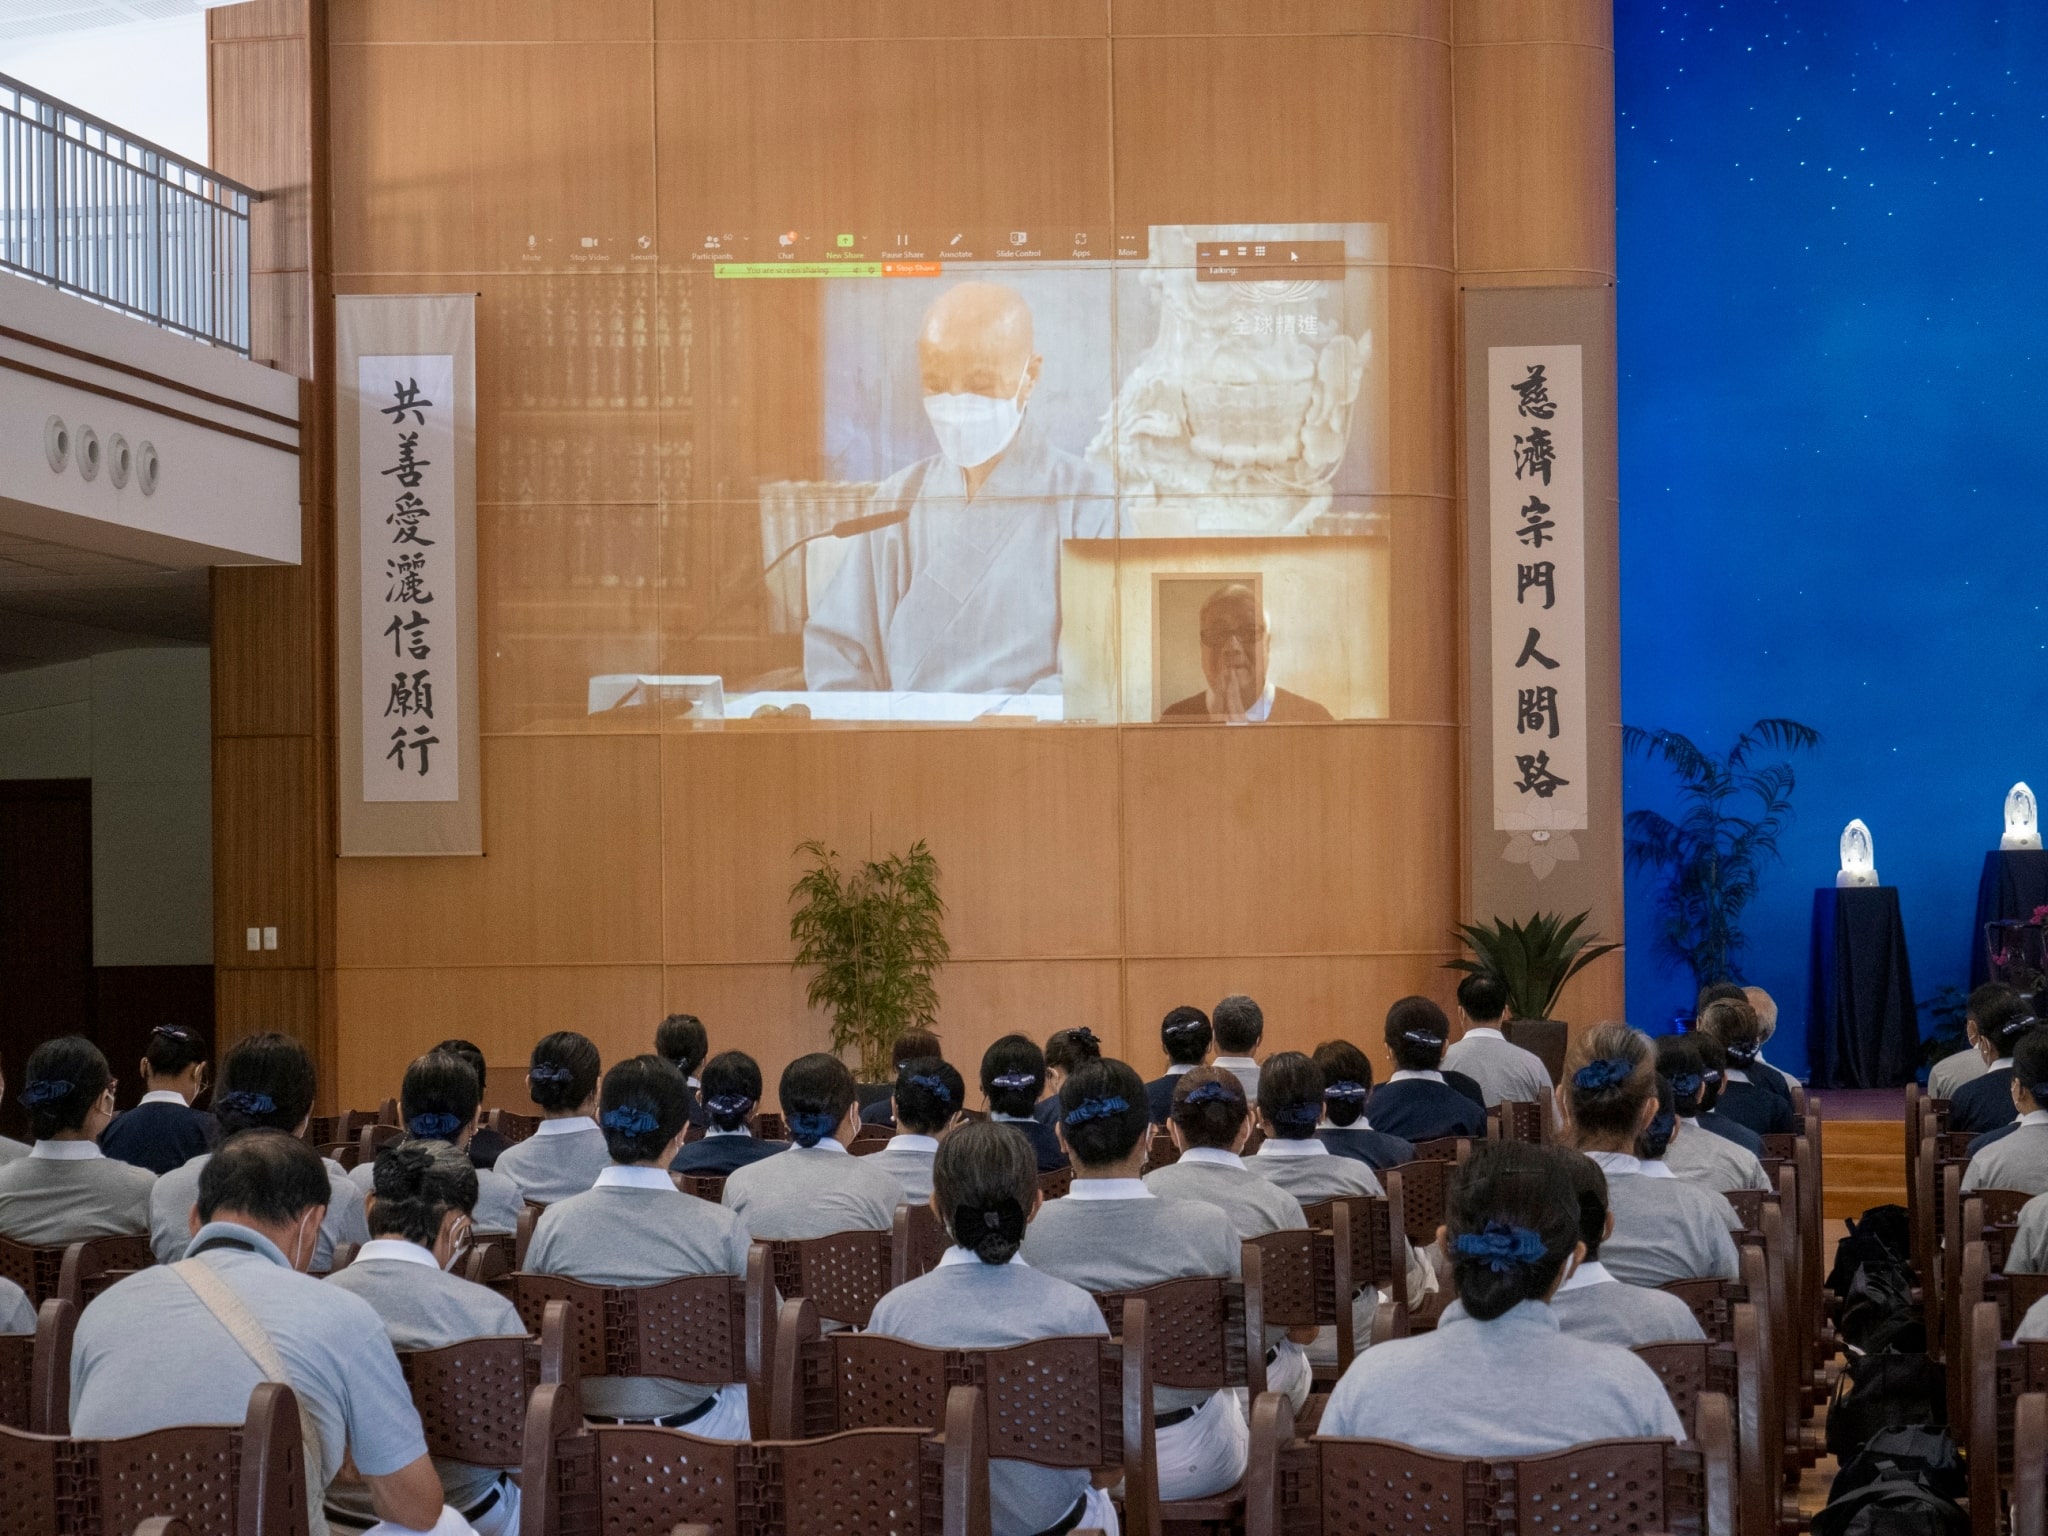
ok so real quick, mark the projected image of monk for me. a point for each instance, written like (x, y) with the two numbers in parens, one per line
(961, 592)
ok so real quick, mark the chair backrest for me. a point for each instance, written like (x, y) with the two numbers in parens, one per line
(512, 1127)
(705, 1186)
(1546, 1038)
(1694, 1369)
(372, 1139)
(768, 1126)
(1373, 1226)
(1749, 1206)
(845, 1273)
(91, 1267)
(1364, 1487)
(1203, 1334)
(871, 1138)
(1518, 1120)
(492, 1256)
(35, 1372)
(1054, 1184)
(1301, 1276)
(917, 1244)
(472, 1396)
(1713, 1304)
(1778, 1144)
(1444, 1149)
(1161, 1152)
(522, 1231)
(621, 1479)
(40, 1270)
(1057, 1402)
(244, 1479)
(708, 1330)
(1425, 1190)
(343, 1152)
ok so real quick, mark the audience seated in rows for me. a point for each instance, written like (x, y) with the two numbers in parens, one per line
(1184, 1034)
(816, 1188)
(1747, 1095)
(1345, 1130)
(567, 1151)
(731, 1100)
(440, 1100)
(2016, 1156)
(163, 1131)
(66, 1189)
(911, 1045)
(929, 1094)
(1503, 1071)
(1695, 1151)
(1968, 1064)
(1985, 1103)
(1714, 1062)
(1417, 1102)
(1012, 1081)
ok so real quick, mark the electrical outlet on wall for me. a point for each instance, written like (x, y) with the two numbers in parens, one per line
(255, 938)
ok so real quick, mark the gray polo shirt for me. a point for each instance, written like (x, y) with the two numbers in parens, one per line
(1246, 1070)
(1699, 1156)
(1254, 1203)
(423, 1308)
(908, 1160)
(813, 1192)
(1592, 1304)
(498, 1199)
(177, 1192)
(17, 1312)
(10, 1149)
(1953, 1072)
(2017, 1160)
(1504, 1072)
(67, 1191)
(149, 1355)
(2028, 1254)
(1445, 1391)
(634, 1227)
(1664, 1227)
(561, 1158)
(966, 1304)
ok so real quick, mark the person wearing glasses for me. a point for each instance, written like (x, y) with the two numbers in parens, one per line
(66, 1189)
(164, 1131)
(1237, 652)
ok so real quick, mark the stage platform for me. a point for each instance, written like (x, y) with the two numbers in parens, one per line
(1863, 1149)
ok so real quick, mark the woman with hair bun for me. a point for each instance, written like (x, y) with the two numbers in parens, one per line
(982, 1296)
(66, 1189)
(564, 1156)
(439, 1100)
(815, 1188)
(1665, 1228)
(1511, 1230)
(1696, 1154)
(730, 1097)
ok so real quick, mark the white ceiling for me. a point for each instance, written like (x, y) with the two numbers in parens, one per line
(58, 603)
(45, 18)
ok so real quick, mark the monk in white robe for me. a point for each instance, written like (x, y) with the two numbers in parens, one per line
(964, 596)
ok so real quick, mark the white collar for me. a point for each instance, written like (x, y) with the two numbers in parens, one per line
(2035, 1117)
(1285, 1146)
(910, 1141)
(396, 1249)
(1617, 1162)
(1220, 1156)
(66, 1151)
(741, 1131)
(1012, 1120)
(1109, 1189)
(1655, 1168)
(2003, 1061)
(1592, 1272)
(1175, 1068)
(1360, 1124)
(565, 1127)
(619, 1176)
(1483, 1032)
(1736, 1075)
(694, 1083)
(161, 1096)
(958, 1255)
(825, 1144)
(1235, 1061)
(1416, 1077)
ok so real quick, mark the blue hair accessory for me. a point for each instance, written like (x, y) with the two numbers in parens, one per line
(1096, 1109)
(1744, 1052)
(440, 1126)
(730, 1106)
(1501, 1247)
(1658, 1132)
(1210, 1093)
(1687, 1085)
(1347, 1092)
(244, 1103)
(47, 1091)
(173, 1032)
(935, 1086)
(1014, 1081)
(548, 1072)
(1307, 1113)
(811, 1128)
(1186, 1027)
(1086, 1037)
(1598, 1076)
(629, 1121)
(1422, 1037)
(1712, 1077)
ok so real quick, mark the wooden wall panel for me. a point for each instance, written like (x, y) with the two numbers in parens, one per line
(404, 148)
(265, 800)
(254, 1002)
(1207, 18)
(791, 20)
(1589, 23)
(487, 21)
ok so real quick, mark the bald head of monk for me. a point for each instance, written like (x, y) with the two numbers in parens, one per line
(976, 340)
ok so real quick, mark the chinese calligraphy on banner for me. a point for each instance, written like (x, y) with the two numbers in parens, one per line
(406, 489)
(1536, 535)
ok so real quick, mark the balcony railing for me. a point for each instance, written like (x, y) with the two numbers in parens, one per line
(98, 212)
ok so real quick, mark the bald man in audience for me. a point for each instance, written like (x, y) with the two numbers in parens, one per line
(963, 595)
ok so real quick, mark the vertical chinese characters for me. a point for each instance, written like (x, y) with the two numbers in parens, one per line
(408, 597)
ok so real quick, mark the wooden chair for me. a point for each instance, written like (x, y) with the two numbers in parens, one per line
(1692, 1370)
(769, 1126)
(705, 1186)
(1056, 1183)
(1305, 1281)
(90, 1268)
(624, 1480)
(163, 1525)
(845, 1273)
(1996, 1376)
(1518, 1120)
(40, 1270)
(472, 1396)
(514, 1128)
(522, 1234)
(492, 1256)
(1309, 1487)
(1059, 1402)
(342, 1153)
(35, 1372)
(1986, 1221)
(916, 1245)
(373, 1139)
(1371, 1228)
(1445, 1149)
(244, 1479)
(706, 1330)
(1161, 1152)
(871, 1138)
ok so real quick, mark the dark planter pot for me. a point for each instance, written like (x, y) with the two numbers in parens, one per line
(1545, 1037)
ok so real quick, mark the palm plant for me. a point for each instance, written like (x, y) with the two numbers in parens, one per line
(1533, 960)
(874, 933)
(1713, 856)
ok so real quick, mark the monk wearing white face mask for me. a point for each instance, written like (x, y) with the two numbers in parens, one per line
(962, 595)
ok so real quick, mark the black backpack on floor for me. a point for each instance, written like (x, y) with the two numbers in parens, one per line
(1872, 1282)
(1905, 1483)
(1882, 1392)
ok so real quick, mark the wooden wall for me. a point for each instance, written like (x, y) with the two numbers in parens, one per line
(1096, 875)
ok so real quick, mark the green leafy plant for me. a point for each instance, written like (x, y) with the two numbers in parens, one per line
(1949, 1013)
(874, 934)
(1534, 960)
(1713, 856)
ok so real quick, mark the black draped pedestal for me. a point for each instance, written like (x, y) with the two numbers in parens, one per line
(1863, 1030)
(2013, 884)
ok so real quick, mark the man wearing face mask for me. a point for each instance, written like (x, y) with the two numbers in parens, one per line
(1236, 650)
(187, 1343)
(963, 596)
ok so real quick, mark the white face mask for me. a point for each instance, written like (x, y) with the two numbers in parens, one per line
(972, 429)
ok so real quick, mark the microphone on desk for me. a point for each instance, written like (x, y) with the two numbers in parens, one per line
(853, 527)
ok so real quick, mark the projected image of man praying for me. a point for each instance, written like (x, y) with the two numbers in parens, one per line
(962, 594)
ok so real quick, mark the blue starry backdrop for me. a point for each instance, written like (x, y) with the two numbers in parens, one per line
(1833, 241)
